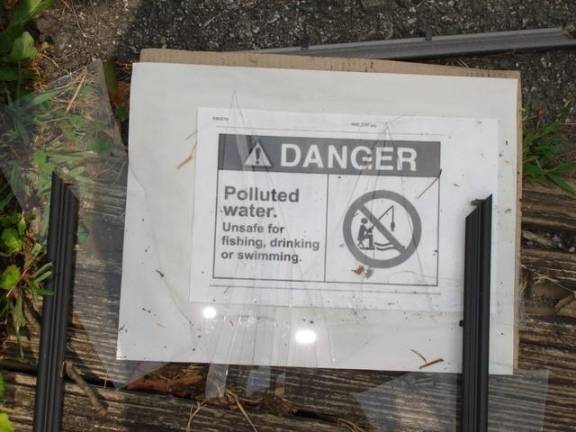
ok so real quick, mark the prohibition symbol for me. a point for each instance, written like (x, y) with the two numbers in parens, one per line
(382, 229)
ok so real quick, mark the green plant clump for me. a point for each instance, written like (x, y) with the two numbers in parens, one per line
(20, 255)
(23, 270)
(17, 48)
(542, 153)
(22, 267)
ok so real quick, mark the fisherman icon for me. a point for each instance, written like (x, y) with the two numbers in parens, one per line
(387, 227)
(365, 233)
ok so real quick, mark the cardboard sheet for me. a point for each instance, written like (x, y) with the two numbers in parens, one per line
(171, 312)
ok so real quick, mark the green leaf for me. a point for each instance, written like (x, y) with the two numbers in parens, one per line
(17, 312)
(5, 423)
(44, 292)
(100, 146)
(28, 10)
(40, 98)
(42, 162)
(76, 121)
(5, 200)
(559, 181)
(10, 219)
(21, 226)
(9, 73)
(82, 233)
(533, 171)
(5, 196)
(43, 277)
(10, 277)
(8, 36)
(23, 48)
(550, 128)
(528, 138)
(36, 250)
(121, 113)
(564, 167)
(76, 172)
(2, 387)
(11, 240)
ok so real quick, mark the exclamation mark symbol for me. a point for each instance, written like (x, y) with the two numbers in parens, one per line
(257, 157)
(258, 151)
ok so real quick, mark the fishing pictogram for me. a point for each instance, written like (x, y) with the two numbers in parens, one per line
(382, 229)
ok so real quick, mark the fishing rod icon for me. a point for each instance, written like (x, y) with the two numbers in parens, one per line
(366, 233)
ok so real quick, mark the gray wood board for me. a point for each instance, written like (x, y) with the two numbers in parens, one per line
(370, 399)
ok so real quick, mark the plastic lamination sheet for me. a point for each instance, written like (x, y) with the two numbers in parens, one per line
(266, 232)
(69, 128)
(383, 401)
(264, 228)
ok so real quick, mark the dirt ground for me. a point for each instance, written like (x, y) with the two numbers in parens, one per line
(80, 31)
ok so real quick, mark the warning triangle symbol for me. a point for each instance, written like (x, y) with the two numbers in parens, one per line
(257, 157)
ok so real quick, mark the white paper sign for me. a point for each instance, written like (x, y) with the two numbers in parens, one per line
(316, 210)
(313, 218)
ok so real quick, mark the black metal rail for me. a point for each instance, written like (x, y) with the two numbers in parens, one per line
(441, 46)
(476, 358)
(61, 243)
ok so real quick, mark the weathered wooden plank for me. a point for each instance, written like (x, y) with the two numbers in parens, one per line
(515, 407)
(549, 208)
(560, 266)
(420, 401)
(130, 411)
(550, 344)
(545, 343)
(374, 400)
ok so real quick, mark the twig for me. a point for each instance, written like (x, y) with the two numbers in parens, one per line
(188, 158)
(352, 427)
(31, 316)
(543, 277)
(185, 161)
(193, 414)
(430, 185)
(77, 91)
(41, 54)
(73, 10)
(105, 379)
(536, 238)
(425, 360)
(564, 302)
(430, 363)
(75, 376)
(242, 410)
(420, 355)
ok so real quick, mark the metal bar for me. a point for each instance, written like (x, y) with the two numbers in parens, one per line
(476, 323)
(439, 46)
(61, 241)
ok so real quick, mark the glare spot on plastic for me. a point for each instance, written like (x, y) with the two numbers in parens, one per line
(305, 336)
(209, 312)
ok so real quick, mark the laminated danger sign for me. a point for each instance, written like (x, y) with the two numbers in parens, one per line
(315, 218)
(316, 205)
